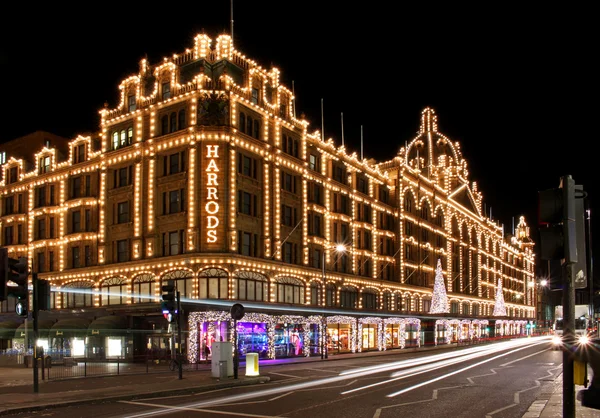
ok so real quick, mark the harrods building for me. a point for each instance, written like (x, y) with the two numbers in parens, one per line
(201, 173)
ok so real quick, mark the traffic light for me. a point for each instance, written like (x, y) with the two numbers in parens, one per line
(556, 216)
(42, 293)
(168, 304)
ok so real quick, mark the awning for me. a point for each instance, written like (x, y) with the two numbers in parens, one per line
(69, 328)
(7, 329)
(108, 325)
(43, 329)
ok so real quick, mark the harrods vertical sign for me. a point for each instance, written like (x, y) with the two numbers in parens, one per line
(213, 204)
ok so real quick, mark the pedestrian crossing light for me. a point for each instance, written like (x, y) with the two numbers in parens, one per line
(167, 304)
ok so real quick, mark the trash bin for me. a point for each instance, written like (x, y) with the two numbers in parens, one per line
(47, 362)
(223, 369)
(28, 360)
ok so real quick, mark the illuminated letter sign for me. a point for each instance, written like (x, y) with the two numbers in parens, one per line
(212, 199)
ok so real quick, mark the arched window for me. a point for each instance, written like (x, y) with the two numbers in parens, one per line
(465, 309)
(426, 304)
(250, 286)
(400, 303)
(164, 125)
(113, 291)
(315, 294)
(406, 306)
(182, 122)
(242, 122)
(77, 295)
(408, 203)
(115, 140)
(330, 295)
(129, 136)
(142, 289)
(213, 284)
(475, 309)
(348, 297)
(289, 290)
(387, 301)
(173, 122)
(439, 218)
(369, 299)
(425, 211)
(123, 138)
(184, 281)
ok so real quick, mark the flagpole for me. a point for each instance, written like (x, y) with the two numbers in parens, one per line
(322, 123)
(342, 128)
(361, 143)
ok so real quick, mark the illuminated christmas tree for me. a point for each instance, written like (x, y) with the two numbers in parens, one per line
(499, 307)
(439, 300)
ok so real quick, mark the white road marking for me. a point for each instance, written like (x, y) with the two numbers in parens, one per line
(189, 394)
(183, 408)
(286, 375)
(322, 370)
(523, 358)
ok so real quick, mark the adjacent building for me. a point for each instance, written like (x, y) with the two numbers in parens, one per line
(203, 174)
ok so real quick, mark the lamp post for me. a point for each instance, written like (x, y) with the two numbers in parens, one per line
(339, 248)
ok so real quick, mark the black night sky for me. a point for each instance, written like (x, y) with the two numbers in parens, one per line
(513, 86)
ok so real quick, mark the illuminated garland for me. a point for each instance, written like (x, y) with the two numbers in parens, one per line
(368, 320)
(271, 321)
(195, 319)
(439, 300)
(306, 323)
(401, 335)
(447, 331)
(499, 307)
(481, 323)
(469, 329)
(417, 322)
(341, 319)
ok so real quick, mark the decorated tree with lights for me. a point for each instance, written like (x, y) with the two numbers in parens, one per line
(439, 300)
(499, 307)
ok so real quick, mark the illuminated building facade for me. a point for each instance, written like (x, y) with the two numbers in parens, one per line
(203, 174)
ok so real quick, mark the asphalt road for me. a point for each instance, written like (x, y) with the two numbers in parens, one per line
(499, 385)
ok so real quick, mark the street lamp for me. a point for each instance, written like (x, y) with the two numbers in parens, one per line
(339, 248)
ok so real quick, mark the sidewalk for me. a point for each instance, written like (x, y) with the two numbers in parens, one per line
(550, 402)
(16, 387)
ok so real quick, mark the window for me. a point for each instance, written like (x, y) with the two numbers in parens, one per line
(164, 125)
(122, 251)
(51, 261)
(242, 122)
(9, 205)
(123, 212)
(288, 182)
(44, 164)
(41, 228)
(75, 187)
(254, 98)
(75, 259)
(290, 290)
(314, 162)
(247, 203)
(339, 173)
(20, 234)
(315, 193)
(182, 121)
(173, 243)
(173, 201)
(289, 145)
(122, 138)
(317, 258)
(369, 301)
(88, 256)
(76, 221)
(256, 132)
(247, 244)
(8, 235)
(166, 91)
(51, 222)
(348, 298)
(3, 157)
(131, 103)
(330, 295)
(290, 253)
(362, 185)
(315, 294)
(79, 154)
(88, 220)
(173, 122)
(174, 163)
(213, 284)
(143, 288)
(40, 196)
(247, 166)
(314, 224)
(384, 195)
(250, 286)
(13, 174)
(122, 177)
(288, 215)
(112, 290)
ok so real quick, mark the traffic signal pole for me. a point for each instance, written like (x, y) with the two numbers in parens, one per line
(179, 335)
(35, 315)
